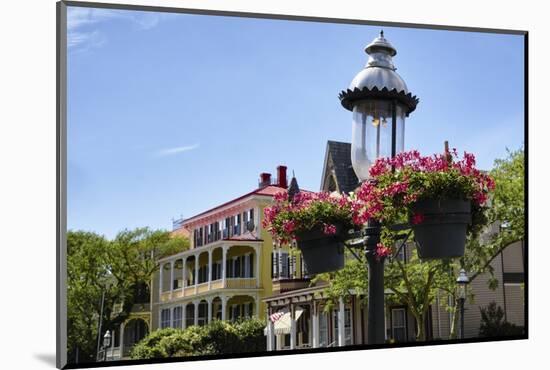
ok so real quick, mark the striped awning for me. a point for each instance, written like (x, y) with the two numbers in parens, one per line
(282, 322)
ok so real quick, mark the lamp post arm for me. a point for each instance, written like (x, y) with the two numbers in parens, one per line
(402, 245)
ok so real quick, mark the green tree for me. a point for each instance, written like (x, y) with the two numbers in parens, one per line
(115, 268)
(86, 280)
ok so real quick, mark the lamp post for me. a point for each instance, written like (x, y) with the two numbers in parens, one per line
(380, 102)
(106, 344)
(462, 281)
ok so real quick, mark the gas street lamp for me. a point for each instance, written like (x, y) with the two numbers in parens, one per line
(380, 102)
(462, 281)
(106, 344)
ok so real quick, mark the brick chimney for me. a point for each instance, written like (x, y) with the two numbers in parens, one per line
(265, 179)
(281, 177)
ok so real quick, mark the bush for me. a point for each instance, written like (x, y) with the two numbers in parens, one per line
(218, 337)
(494, 325)
(251, 335)
(150, 346)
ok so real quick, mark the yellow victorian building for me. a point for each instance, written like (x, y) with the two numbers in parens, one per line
(230, 265)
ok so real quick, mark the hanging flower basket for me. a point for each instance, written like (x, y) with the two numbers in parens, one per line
(317, 222)
(440, 227)
(321, 252)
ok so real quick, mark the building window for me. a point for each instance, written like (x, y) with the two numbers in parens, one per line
(165, 318)
(216, 270)
(226, 227)
(280, 268)
(251, 215)
(203, 309)
(245, 221)
(217, 230)
(176, 322)
(210, 237)
(189, 315)
(203, 274)
(398, 324)
(237, 224)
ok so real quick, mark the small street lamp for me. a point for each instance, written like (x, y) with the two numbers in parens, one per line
(462, 281)
(106, 344)
(380, 101)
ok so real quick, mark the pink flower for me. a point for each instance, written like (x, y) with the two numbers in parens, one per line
(289, 226)
(480, 198)
(281, 196)
(382, 251)
(417, 218)
(329, 229)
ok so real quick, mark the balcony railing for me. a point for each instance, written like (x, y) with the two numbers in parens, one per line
(190, 290)
(240, 283)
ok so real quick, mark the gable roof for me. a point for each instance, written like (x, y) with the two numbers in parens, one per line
(338, 161)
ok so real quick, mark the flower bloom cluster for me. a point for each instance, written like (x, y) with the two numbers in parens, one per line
(305, 211)
(329, 229)
(394, 185)
(382, 251)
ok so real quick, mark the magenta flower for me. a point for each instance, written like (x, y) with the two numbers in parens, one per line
(382, 251)
(329, 229)
(417, 218)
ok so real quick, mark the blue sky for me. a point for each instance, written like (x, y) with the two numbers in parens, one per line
(172, 114)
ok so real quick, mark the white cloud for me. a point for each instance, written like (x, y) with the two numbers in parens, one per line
(87, 39)
(176, 150)
(82, 22)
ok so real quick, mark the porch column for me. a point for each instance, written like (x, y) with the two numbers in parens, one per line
(270, 331)
(171, 278)
(224, 264)
(257, 266)
(196, 303)
(161, 280)
(121, 340)
(184, 316)
(184, 273)
(209, 317)
(196, 272)
(292, 328)
(341, 323)
(224, 306)
(209, 268)
(315, 325)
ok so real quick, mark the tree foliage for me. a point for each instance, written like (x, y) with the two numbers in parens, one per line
(113, 268)
(218, 337)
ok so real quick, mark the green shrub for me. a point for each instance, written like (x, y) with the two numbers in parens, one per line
(218, 337)
(251, 335)
(494, 325)
(150, 346)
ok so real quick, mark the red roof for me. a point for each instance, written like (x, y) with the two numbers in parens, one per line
(269, 190)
